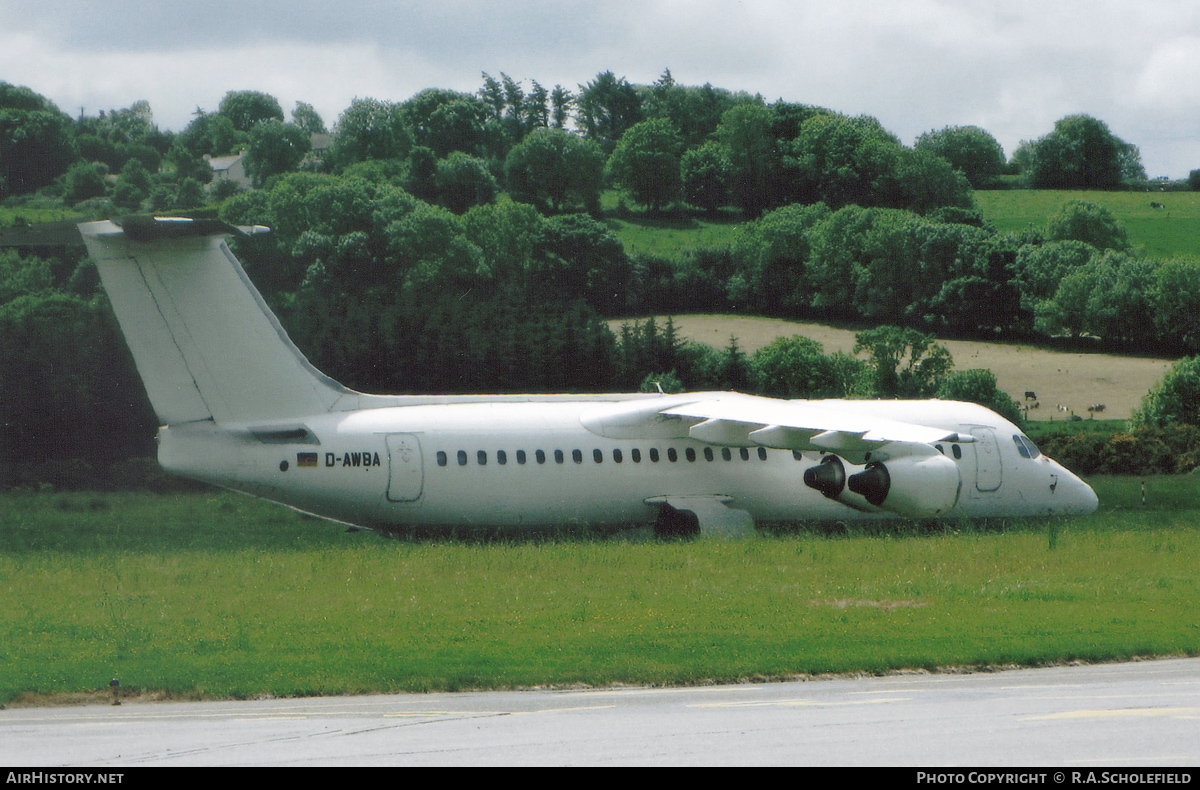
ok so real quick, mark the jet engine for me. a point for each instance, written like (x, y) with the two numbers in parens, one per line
(915, 486)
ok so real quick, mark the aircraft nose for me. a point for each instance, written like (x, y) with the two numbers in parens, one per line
(1077, 497)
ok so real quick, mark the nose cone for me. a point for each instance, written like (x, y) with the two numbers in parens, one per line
(1074, 497)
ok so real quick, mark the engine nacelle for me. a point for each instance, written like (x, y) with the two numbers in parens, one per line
(924, 486)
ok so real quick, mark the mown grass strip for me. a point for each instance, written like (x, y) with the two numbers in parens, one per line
(214, 595)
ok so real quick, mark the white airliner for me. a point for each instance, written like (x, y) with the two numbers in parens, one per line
(241, 407)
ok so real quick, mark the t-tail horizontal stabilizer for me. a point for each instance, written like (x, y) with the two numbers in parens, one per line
(205, 343)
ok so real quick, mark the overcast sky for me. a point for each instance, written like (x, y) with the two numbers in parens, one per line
(1012, 67)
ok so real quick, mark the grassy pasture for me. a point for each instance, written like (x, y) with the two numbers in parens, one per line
(672, 235)
(214, 595)
(1170, 232)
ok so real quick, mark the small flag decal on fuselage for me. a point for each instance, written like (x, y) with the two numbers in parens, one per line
(306, 459)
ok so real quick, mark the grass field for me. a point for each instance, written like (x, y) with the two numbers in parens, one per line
(10, 216)
(1170, 232)
(223, 596)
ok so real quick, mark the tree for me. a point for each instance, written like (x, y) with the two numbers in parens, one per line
(508, 233)
(212, 134)
(843, 160)
(305, 116)
(772, 253)
(581, 258)
(694, 111)
(1176, 310)
(705, 173)
(1111, 296)
(245, 109)
(132, 187)
(606, 108)
(561, 102)
(370, 129)
(797, 367)
(83, 182)
(979, 386)
(1041, 267)
(446, 121)
(904, 362)
(464, 181)
(969, 149)
(1175, 400)
(927, 182)
(1081, 153)
(1090, 223)
(421, 179)
(555, 168)
(645, 163)
(745, 138)
(275, 148)
(37, 143)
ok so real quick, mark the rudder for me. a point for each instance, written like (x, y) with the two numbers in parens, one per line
(205, 343)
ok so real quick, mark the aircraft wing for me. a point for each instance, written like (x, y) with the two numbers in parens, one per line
(736, 420)
(741, 420)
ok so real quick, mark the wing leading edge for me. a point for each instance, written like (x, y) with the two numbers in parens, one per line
(736, 420)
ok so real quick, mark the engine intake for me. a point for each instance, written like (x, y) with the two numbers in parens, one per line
(828, 477)
(872, 484)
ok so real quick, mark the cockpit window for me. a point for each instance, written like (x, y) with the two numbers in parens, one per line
(1026, 448)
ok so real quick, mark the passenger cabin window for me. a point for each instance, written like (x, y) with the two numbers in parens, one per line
(577, 456)
(726, 454)
(521, 457)
(617, 456)
(558, 456)
(762, 453)
(654, 454)
(672, 456)
(690, 453)
(462, 457)
(540, 456)
(708, 454)
(745, 453)
(441, 456)
(636, 455)
(598, 455)
(482, 456)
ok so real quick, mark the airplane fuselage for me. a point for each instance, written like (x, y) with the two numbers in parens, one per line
(547, 462)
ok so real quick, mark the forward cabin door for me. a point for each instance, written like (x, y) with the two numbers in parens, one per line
(406, 473)
(988, 468)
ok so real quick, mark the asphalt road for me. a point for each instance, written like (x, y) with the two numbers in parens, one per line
(1080, 718)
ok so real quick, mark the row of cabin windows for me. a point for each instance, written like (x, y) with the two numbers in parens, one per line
(618, 456)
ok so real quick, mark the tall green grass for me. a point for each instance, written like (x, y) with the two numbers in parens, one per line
(215, 595)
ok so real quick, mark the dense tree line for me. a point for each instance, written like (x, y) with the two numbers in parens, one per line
(663, 145)
(453, 242)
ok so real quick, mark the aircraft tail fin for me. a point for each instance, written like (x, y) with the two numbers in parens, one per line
(205, 343)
